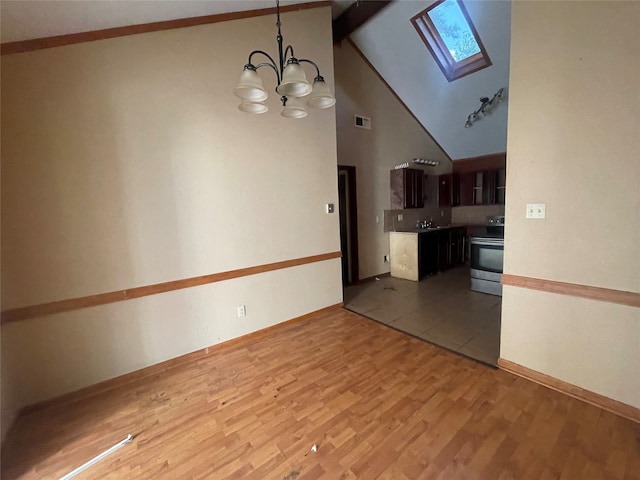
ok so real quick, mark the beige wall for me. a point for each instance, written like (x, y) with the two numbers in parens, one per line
(574, 118)
(395, 137)
(125, 162)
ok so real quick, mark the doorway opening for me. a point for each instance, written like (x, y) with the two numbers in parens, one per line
(348, 212)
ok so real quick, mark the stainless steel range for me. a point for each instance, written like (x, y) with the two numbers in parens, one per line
(487, 253)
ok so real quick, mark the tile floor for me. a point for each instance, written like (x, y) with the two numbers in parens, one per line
(440, 309)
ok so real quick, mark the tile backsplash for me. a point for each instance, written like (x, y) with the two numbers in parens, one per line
(475, 214)
(413, 215)
(470, 215)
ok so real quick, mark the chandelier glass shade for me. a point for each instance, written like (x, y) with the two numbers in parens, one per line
(292, 83)
(294, 108)
(250, 86)
(253, 107)
(321, 95)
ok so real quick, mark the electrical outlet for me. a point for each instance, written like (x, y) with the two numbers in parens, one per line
(386, 259)
(329, 208)
(400, 217)
(242, 311)
(536, 210)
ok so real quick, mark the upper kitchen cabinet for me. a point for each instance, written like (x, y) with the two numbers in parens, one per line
(480, 180)
(484, 190)
(446, 190)
(407, 188)
(466, 184)
(501, 185)
(479, 188)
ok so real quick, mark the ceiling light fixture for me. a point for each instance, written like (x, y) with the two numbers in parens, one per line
(292, 82)
(424, 161)
(421, 161)
(485, 108)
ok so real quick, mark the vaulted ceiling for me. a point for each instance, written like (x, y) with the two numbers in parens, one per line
(388, 40)
(394, 48)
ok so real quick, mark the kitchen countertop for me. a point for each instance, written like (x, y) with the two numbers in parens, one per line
(433, 229)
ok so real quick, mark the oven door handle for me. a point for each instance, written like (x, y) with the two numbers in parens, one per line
(488, 242)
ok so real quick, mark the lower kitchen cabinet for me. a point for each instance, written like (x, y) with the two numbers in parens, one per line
(415, 255)
(451, 247)
(444, 251)
(458, 246)
(428, 253)
(404, 250)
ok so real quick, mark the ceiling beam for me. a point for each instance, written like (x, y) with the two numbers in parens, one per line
(355, 16)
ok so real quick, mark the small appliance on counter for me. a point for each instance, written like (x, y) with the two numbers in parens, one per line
(487, 254)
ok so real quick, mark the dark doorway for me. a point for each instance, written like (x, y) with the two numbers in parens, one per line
(348, 211)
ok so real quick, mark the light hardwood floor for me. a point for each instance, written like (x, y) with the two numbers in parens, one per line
(379, 404)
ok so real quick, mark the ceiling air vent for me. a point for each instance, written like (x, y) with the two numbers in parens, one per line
(362, 122)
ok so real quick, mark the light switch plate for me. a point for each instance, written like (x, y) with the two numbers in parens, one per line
(536, 210)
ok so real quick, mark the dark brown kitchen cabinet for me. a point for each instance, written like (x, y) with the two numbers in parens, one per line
(457, 249)
(481, 188)
(433, 252)
(501, 185)
(445, 190)
(428, 254)
(444, 250)
(489, 187)
(407, 188)
(466, 182)
(451, 247)
(439, 250)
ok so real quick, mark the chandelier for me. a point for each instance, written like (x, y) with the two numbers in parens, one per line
(292, 82)
(485, 107)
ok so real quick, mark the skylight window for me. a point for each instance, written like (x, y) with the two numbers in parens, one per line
(454, 30)
(449, 34)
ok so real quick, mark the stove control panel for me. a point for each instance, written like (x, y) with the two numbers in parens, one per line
(497, 220)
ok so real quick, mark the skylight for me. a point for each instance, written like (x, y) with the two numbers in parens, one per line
(454, 30)
(450, 36)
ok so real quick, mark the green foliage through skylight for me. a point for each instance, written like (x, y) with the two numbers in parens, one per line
(454, 30)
